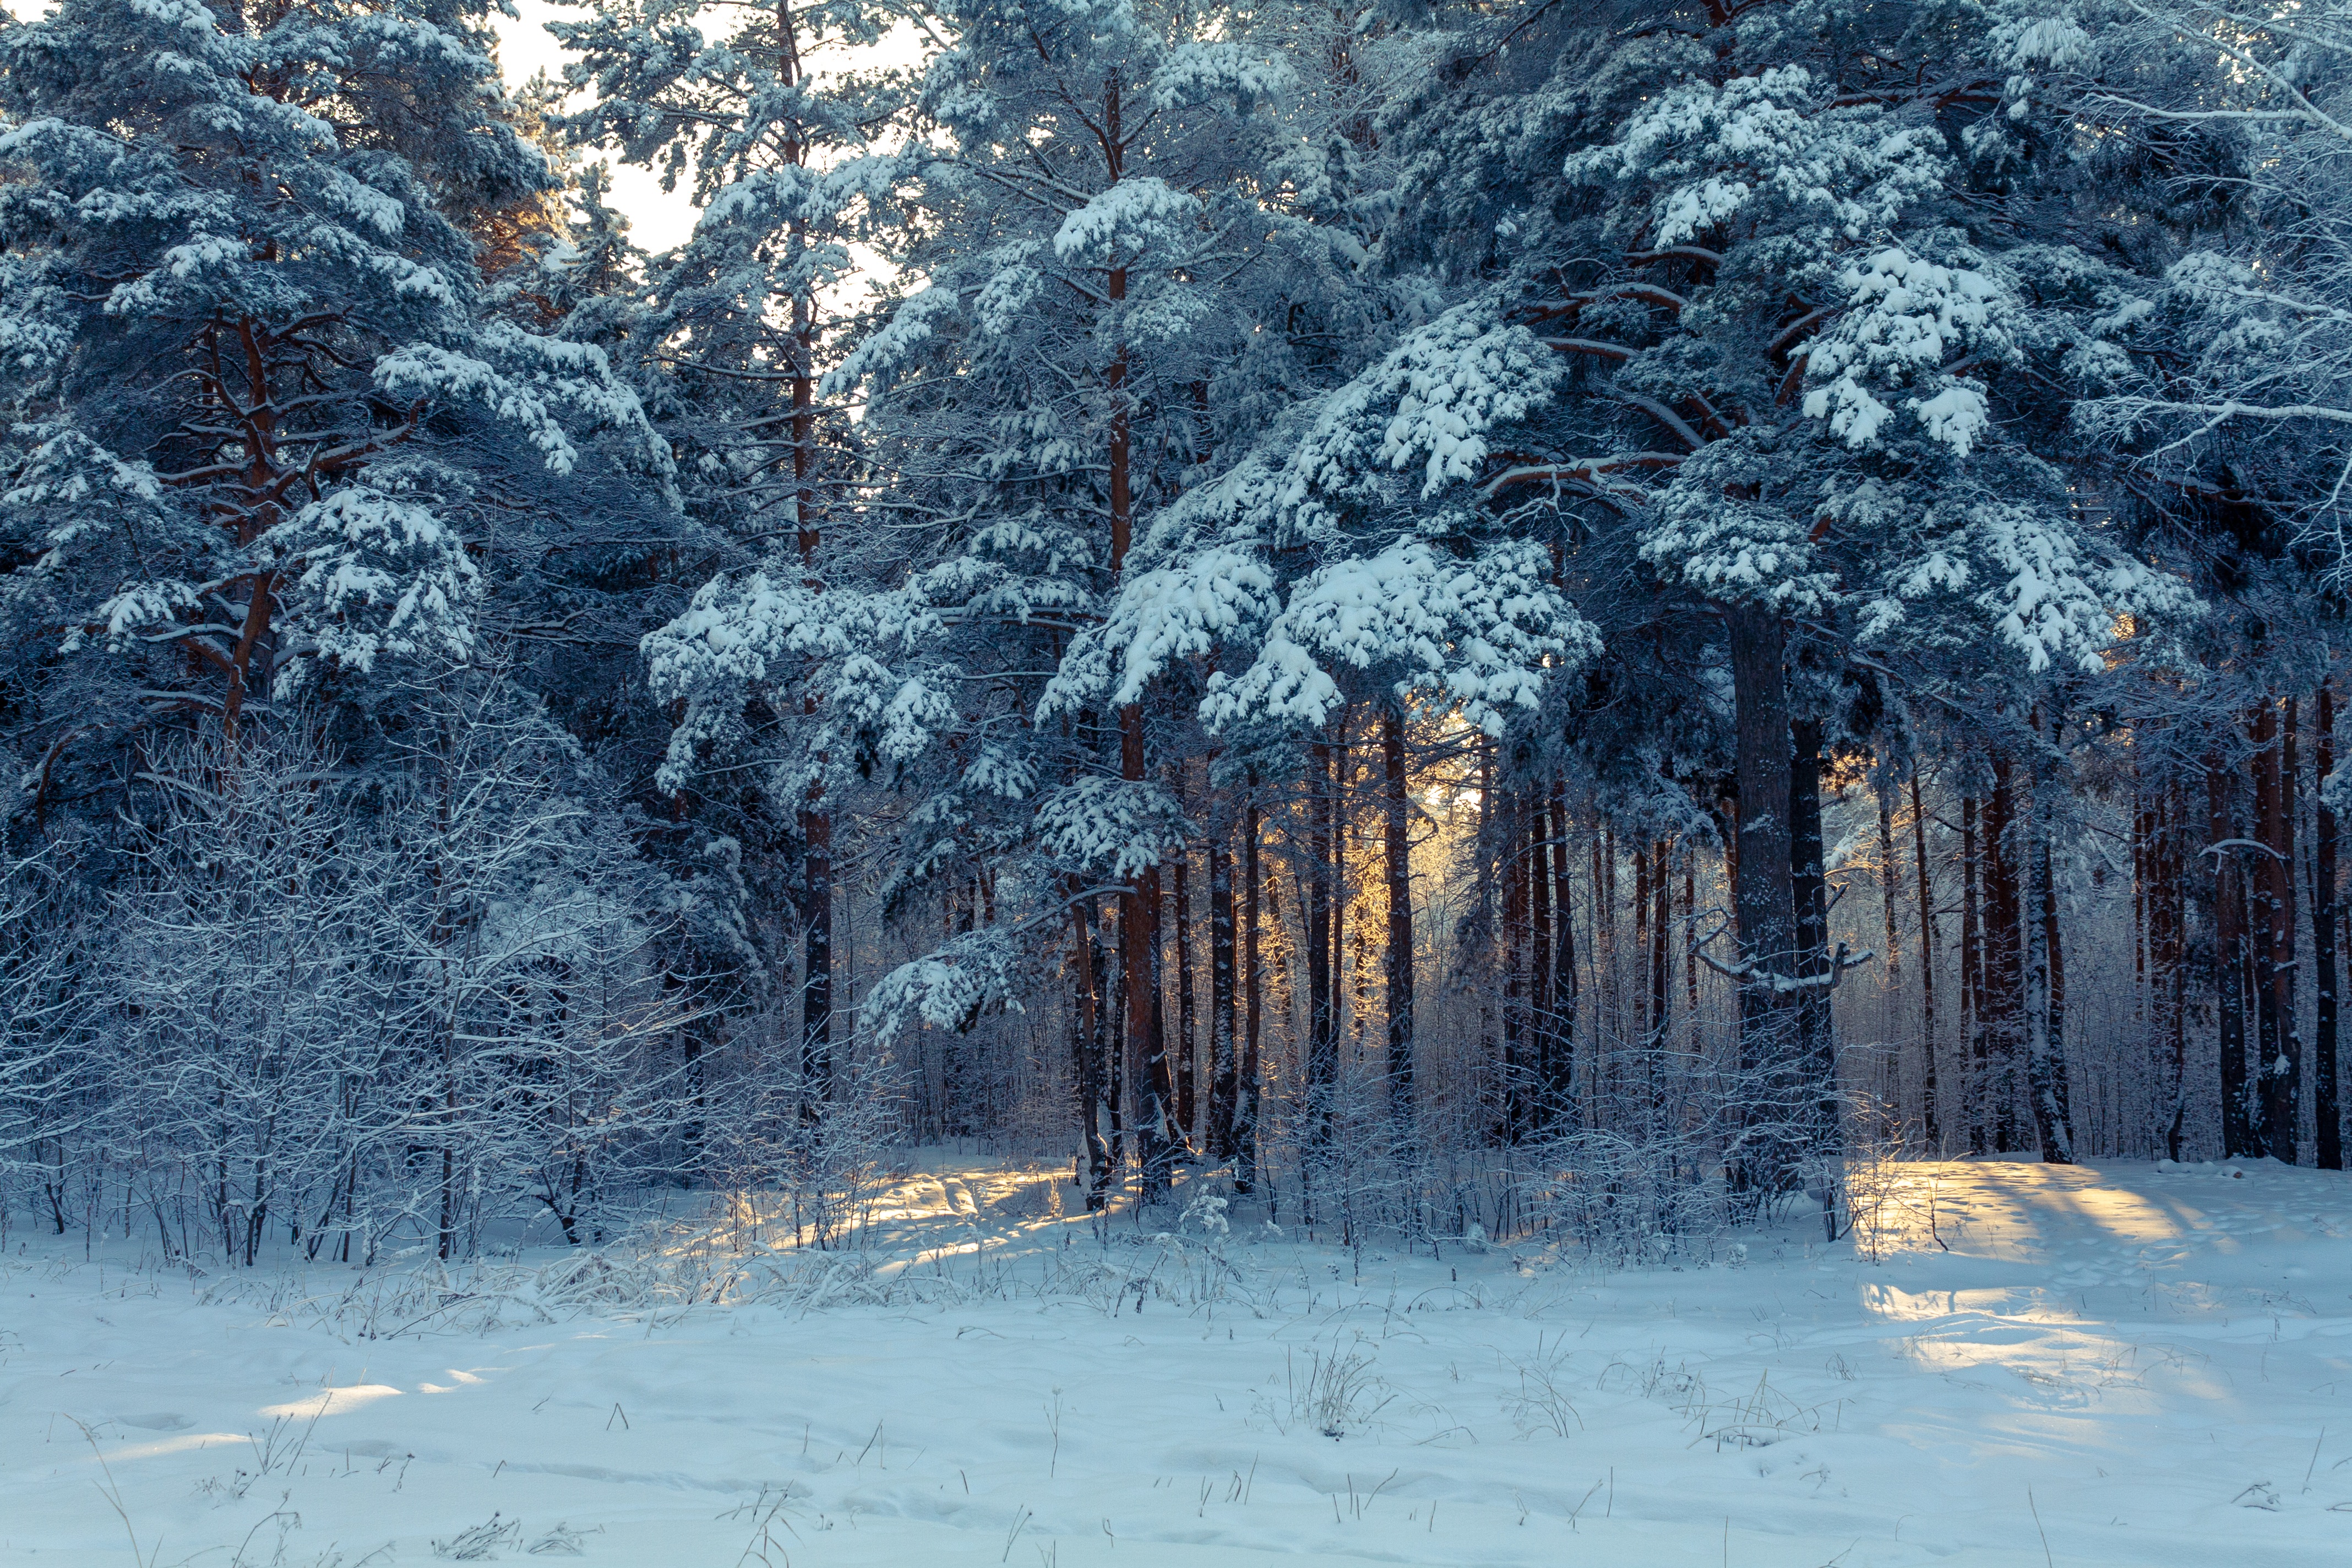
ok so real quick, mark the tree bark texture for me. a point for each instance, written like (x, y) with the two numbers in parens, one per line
(2004, 1000)
(1396, 847)
(1974, 1045)
(1930, 1097)
(1762, 893)
(2327, 1125)
(1561, 1108)
(2230, 946)
(2278, 1055)
(1817, 1041)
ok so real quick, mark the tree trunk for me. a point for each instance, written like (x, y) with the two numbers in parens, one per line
(1245, 1091)
(2327, 1123)
(1187, 1056)
(1887, 877)
(1088, 1055)
(2280, 1053)
(1155, 1130)
(1610, 928)
(817, 972)
(2287, 921)
(2229, 961)
(2004, 962)
(816, 821)
(1810, 886)
(1322, 1003)
(1516, 926)
(1974, 1045)
(1763, 893)
(1118, 1069)
(1690, 946)
(2144, 915)
(1224, 1059)
(2167, 954)
(1139, 937)
(1541, 1022)
(1930, 1109)
(1560, 1109)
(1397, 853)
(1641, 1060)
(1661, 980)
(2054, 1117)
(2046, 1081)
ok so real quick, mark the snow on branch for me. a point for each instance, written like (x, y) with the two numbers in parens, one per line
(1219, 71)
(1477, 633)
(1747, 972)
(534, 381)
(1137, 217)
(950, 988)
(1772, 143)
(1116, 828)
(1431, 402)
(1184, 609)
(750, 636)
(376, 573)
(1905, 317)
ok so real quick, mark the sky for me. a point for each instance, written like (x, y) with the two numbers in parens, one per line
(658, 219)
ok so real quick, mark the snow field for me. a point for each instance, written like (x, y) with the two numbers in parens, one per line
(2119, 1365)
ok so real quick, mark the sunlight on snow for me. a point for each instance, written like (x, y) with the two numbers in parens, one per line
(330, 1402)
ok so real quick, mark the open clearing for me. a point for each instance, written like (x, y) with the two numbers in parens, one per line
(2112, 1364)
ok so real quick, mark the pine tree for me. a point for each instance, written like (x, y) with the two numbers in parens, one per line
(739, 327)
(253, 341)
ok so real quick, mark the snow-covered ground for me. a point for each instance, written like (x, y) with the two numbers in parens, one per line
(2118, 1364)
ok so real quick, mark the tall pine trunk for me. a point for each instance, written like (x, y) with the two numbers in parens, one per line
(2230, 946)
(1973, 1045)
(2046, 1080)
(1889, 873)
(1322, 1003)
(1187, 1055)
(2279, 1054)
(1397, 852)
(1644, 1063)
(1224, 1063)
(2003, 998)
(1762, 892)
(1931, 1110)
(2168, 954)
(1086, 1051)
(1139, 903)
(1246, 1090)
(2326, 1117)
(1660, 979)
(815, 819)
(1809, 885)
(1542, 1021)
(1515, 925)
(1561, 1108)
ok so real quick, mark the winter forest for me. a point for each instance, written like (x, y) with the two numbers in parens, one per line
(1578, 640)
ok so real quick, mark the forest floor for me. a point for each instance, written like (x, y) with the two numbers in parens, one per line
(2112, 1364)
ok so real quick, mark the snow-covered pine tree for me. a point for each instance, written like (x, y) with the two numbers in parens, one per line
(770, 117)
(1819, 391)
(1098, 266)
(253, 369)
(2227, 416)
(1340, 560)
